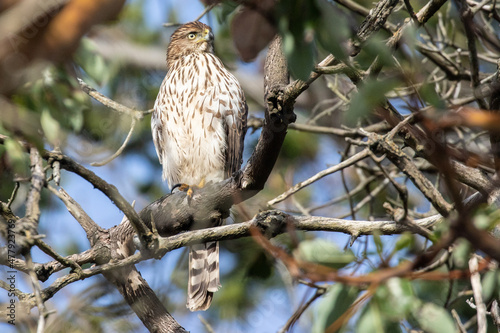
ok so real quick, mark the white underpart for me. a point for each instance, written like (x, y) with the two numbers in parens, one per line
(192, 142)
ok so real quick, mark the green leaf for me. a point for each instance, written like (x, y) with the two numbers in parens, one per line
(373, 321)
(300, 55)
(376, 48)
(297, 20)
(51, 128)
(225, 9)
(378, 242)
(396, 298)
(487, 218)
(460, 255)
(490, 285)
(429, 95)
(404, 241)
(325, 253)
(434, 319)
(333, 304)
(370, 95)
(332, 37)
(92, 63)
(17, 157)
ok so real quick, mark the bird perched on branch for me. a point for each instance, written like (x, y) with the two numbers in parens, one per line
(198, 126)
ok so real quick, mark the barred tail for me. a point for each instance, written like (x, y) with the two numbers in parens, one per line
(203, 275)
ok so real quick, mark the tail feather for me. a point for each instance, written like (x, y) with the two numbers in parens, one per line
(203, 275)
(213, 266)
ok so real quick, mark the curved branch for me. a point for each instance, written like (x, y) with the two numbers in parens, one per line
(108, 189)
(120, 108)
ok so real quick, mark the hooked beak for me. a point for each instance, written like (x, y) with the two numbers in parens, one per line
(205, 37)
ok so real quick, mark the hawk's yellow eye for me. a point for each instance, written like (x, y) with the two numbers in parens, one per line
(192, 36)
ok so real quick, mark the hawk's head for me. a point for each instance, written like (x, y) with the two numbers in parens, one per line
(192, 37)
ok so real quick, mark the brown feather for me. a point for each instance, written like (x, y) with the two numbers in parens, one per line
(198, 127)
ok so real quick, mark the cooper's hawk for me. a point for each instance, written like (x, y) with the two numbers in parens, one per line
(198, 126)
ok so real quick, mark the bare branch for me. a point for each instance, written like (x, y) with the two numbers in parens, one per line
(110, 103)
(108, 189)
(475, 280)
(122, 147)
(344, 164)
(77, 212)
(466, 16)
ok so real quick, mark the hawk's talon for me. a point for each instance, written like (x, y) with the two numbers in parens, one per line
(181, 186)
(174, 187)
(185, 188)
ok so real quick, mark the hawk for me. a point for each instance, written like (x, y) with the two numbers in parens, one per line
(198, 126)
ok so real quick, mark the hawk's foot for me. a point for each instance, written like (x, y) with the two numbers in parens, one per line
(189, 189)
(181, 187)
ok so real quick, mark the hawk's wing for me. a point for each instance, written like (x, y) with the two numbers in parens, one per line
(157, 132)
(234, 109)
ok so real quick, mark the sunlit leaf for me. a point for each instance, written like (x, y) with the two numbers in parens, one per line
(92, 63)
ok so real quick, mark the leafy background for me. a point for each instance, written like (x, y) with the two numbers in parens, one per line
(124, 60)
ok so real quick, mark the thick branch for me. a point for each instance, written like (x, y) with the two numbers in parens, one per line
(402, 161)
(27, 227)
(273, 223)
(174, 213)
(143, 301)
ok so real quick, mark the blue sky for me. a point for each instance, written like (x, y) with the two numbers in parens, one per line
(63, 231)
(276, 305)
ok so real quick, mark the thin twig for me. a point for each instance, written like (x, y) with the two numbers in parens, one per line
(466, 15)
(51, 252)
(13, 195)
(296, 315)
(122, 147)
(203, 13)
(205, 323)
(108, 189)
(348, 162)
(371, 196)
(110, 103)
(37, 292)
(475, 280)
(360, 187)
(455, 315)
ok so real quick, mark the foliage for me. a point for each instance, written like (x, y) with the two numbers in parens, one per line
(434, 80)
